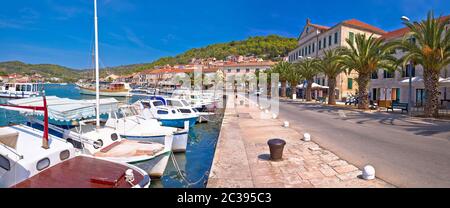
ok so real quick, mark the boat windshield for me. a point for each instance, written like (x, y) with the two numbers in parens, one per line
(158, 103)
(185, 102)
(174, 103)
(127, 112)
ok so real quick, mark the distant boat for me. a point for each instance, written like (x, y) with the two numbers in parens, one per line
(107, 89)
(20, 90)
(63, 84)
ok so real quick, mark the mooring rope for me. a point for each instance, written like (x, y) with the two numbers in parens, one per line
(175, 163)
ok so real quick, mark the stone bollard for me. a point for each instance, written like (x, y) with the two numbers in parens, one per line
(368, 172)
(286, 124)
(274, 116)
(307, 137)
(276, 147)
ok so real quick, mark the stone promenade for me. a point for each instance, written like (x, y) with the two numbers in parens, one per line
(242, 156)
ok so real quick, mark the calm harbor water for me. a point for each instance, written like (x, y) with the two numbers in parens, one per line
(195, 164)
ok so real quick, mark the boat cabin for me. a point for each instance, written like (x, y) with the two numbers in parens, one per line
(20, 90)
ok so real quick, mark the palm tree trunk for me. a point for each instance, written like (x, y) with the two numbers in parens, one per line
(331, 91)
(363, 94)
(309, 90)
(431, 81)
(283, 88)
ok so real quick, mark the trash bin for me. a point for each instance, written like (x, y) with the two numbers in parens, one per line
(276, 147)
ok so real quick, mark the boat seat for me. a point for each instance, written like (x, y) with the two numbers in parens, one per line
(9, 137)
(110, 147)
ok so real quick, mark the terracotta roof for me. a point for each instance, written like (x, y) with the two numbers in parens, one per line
(264, 63)
(363, 25)
(320, 27)
(175, 71)
(395, 34)
(402, 31)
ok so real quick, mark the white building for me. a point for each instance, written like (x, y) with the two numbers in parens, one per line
(315, 39)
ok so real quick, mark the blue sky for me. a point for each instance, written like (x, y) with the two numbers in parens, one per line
(139, 31)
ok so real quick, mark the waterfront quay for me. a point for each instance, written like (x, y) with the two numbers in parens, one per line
(242, 157)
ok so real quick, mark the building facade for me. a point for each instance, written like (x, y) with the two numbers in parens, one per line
(315, 39)
(387, 87)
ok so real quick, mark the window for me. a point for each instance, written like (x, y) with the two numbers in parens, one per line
(329, 40)
(313, 47)
(336, 38)
(388, 74)
(158, 103)
(405, 71)
(375, 75)
(351, 37)
(114, 137)
(229, 70)
(183, 110)
(320, 45)
(42, 164)
(350, 83)
(98, 144)
(64, 155)
(309, 49)
(324, 42)
(247, 70)
(4, 163)
(238, 70)
(162, 112)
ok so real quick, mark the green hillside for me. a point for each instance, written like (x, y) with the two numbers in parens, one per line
(46, 70)
(268, 47)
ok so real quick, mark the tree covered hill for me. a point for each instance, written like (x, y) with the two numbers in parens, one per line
(271, 47)
(46, 70)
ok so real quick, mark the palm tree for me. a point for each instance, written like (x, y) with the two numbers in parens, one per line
(365, 56)
(331, 67)
(308, 71)
(282, 68)
(294, 77)
(431, 49)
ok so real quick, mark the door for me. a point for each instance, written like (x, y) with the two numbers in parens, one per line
(420, 97)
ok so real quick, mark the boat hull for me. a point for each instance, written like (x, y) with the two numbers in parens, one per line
(179, 142)
(179, 123)
(85, 91)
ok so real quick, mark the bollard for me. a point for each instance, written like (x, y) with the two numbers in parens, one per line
(274, 116)
(307, 137)
(267, 111)
(368, 172)
(286, 124)
(276, 147)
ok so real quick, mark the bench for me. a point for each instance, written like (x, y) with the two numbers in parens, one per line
(399, 106)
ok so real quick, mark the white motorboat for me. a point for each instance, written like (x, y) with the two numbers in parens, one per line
(20, 90)
(156, 108)
(186, 109)
(30, 158)
(130, 122)
(103, 141)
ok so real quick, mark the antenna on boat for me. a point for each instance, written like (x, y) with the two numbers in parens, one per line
(97, 73)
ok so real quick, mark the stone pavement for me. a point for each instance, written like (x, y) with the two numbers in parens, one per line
(242, 156)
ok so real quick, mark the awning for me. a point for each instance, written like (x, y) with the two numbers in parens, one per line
(64, 109)
(418, 82)
(314, 86)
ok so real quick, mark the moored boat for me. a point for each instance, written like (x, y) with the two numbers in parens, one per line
(107, 89)
(20, 90)
(30, 158)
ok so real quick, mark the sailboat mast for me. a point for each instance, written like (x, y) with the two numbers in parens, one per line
(97, 72)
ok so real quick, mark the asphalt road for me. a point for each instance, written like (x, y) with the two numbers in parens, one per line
(405, 152)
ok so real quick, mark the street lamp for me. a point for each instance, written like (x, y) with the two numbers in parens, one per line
(409, 68)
